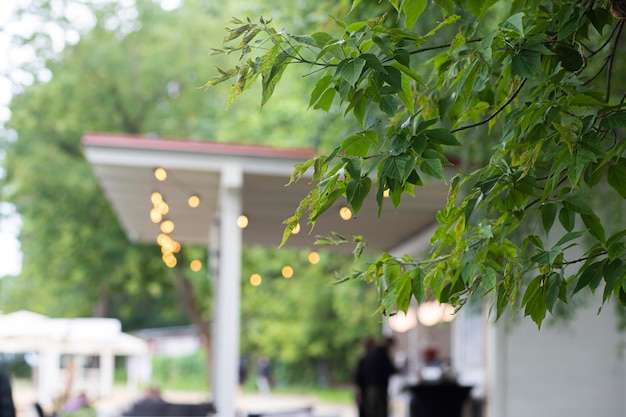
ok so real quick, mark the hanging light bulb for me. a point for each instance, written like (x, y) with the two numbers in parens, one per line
(287, 271)
(160, 174)
(156, 197)
(345, 213)
(167, 226)
(193, 201)
(314, 258)
(242, 221)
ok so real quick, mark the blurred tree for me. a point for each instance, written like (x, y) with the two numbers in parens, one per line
(138, 69)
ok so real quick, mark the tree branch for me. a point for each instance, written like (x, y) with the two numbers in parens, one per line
(494, 114)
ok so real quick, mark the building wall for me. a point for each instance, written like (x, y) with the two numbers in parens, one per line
(573, 370)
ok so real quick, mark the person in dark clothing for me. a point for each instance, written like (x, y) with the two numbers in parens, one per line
(376, 370)
(7, 408)
(369, 344)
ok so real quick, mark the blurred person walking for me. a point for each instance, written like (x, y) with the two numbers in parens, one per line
(7, 407)
(263, 379)
(377, 367)
(369, 344)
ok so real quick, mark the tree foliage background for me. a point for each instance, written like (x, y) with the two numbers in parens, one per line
(139, 69)
(518, 105)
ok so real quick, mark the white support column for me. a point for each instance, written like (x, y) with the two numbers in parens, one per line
(106, 374)
(496, 369)
(49, 376)
(227, 303)
(213, 262)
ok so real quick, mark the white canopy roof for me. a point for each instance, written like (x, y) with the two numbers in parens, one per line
(25, 331)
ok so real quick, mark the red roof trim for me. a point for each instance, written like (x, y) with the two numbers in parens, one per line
(178, 145)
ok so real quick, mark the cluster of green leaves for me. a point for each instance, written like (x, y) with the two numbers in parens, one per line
(531, 82)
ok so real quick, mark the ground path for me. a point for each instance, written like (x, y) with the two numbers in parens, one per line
(113, 406)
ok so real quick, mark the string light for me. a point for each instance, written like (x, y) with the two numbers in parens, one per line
(287, 271)
(195, 265)
(242, 221)
(193, 201)
(255, 280)
(160, 174)
(167, 226)
(314, 258)
(345, 213)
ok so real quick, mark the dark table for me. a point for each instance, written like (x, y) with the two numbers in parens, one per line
(438, 400)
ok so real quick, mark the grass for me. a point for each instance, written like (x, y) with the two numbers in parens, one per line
(335, 395)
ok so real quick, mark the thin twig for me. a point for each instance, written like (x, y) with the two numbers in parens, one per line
(494, 114)
(433, 48)
(611, 59)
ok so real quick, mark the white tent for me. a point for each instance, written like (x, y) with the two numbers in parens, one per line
(50, 338)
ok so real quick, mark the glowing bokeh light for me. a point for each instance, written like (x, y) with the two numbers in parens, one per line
(287, 271)
(242, 221)
(345, 213)
(195, 265)
(314, 258)
(255, 280)
(160, 174)
(194, 201)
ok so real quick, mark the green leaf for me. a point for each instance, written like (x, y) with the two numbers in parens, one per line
(404, 291)
(372, 62)
(594, 225)
(322, 39)
(350, 70)
(579, 204)
(515, 24)
(488, 281)
(569, 56)
(614, 274)
(356, 191)
(417, 281)
(433, 167)
(398, 167)
(407, 95)
(554, 282)
(412, 11)
(526, 63)
(320, 87)
(447, 21)
(534, 301)
(442, 136)
(590, 277)
(270, 78)
(327, 203)
(616, 176)
(326, 100)
(614, 120)
(354, 4)
(587, 100)
(567, 219)
(569, 237)
(357, 145)
(353, 166)
(393, 77)
(548, 214)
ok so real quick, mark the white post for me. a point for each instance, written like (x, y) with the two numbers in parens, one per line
(49, 382)
(213, 263)
(227, 302)
(496, 369)
(106, 374)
